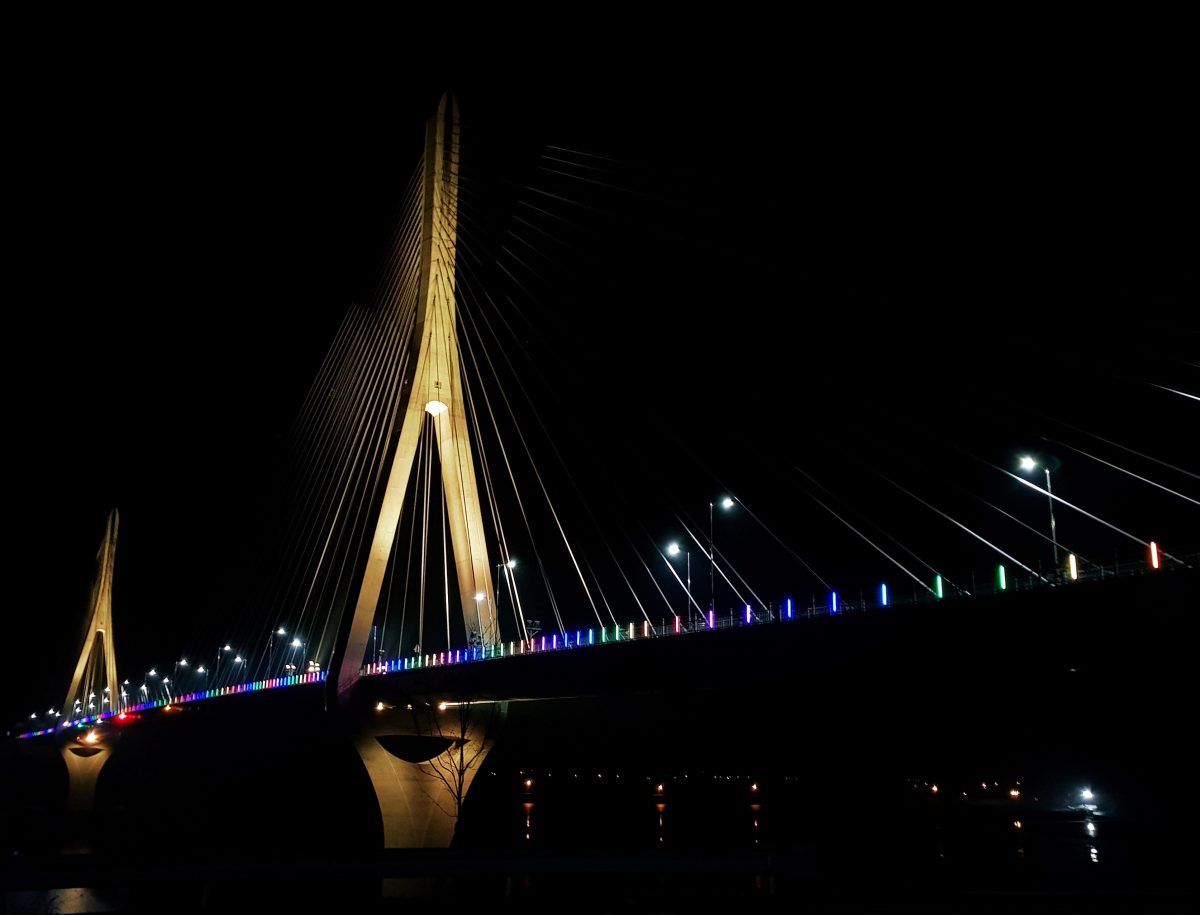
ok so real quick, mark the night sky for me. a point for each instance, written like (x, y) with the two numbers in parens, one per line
(852, 269)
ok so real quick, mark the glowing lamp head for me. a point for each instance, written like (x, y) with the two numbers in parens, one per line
(296, 643)
(1086, 794)
(512, 563)
(727, 502)
(435, 408)
(280, 631)
(673, 549)
(1028, 463)
(479, 595)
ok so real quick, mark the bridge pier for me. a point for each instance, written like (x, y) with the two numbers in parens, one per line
(81, 830)
(83, 770)
(422, 756)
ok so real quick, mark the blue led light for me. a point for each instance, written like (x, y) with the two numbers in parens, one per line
(883, 595)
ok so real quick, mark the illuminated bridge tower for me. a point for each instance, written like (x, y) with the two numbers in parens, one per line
(433, 387)
(94, 681)
(407, 760)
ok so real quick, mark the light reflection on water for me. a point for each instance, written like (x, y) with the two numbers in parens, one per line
(1000, 826)
(66, 901)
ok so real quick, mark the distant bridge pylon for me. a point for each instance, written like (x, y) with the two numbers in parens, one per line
(96, 669)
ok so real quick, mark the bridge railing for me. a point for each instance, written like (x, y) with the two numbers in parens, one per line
(124, 712)
(786, 610)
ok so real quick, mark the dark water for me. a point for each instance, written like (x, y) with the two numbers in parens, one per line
(618, 839)
(1000, 832)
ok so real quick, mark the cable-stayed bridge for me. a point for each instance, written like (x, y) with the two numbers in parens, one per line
(401, 442)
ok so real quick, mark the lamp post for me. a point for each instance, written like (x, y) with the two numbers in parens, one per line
(674, 550)
(1027, 464)
(271, 648)
(217, 666)
(480, 597)
(726, 503)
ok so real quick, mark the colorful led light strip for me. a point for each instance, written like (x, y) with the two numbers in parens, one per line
(215, 693)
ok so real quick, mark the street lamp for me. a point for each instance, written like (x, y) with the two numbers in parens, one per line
(217, 665)
(726, 503)
(479, 598)
(674, 550)
(271, 649)
(1028, 464)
